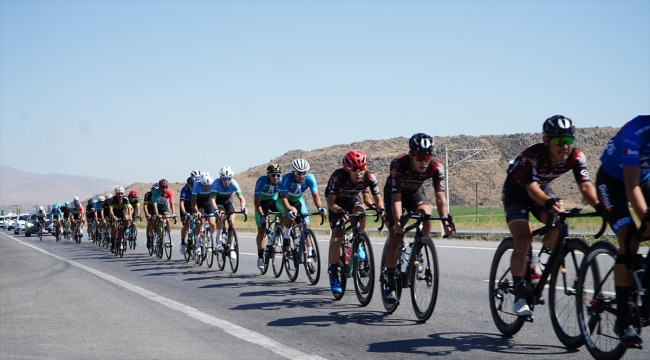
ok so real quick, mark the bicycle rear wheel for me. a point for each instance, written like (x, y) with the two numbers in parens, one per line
(596, 302)
(277, 260)
(501, 290)
(562, 293)
(390, 307)
(209, 249)
(364, 270)
(313, 258)
(160, 239)
(340, 274)
(188, 251)
(424, 279)
(221, 254)
(233, 250)
(167, 243)
(290, 260)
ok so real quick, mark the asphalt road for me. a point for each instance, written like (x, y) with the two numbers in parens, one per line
(77, 301)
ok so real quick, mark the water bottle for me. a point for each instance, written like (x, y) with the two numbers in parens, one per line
(298, 244)
(535, 274)
(405, 257)
(348, 252)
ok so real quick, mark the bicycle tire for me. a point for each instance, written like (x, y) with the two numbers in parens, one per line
(425, 278)
(277, 260)
(364, 271)
(562, 307)
(122, 244)
(159, 244)
(151, 247)
(233, 248)
(501, 295)
(188, 251)
(314, 256)
(221, 254)
(340, 274)
(597, 324)
(40, 234)
(198, 259)
(209, 250)
(291, 261)
(168, 244)
(390, 308)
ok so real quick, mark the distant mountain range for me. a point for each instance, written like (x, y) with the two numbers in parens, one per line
(18, 187)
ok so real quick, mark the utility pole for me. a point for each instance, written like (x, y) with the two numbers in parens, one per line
(466, 159)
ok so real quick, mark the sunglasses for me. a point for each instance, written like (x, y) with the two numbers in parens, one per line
(559, 141)
(119, 193)
(357, 169)
(275, 175)
(300, 173)
(421, 158)
(226, 178)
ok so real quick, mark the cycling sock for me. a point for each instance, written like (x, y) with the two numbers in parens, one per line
(219, 235)
(260, 253)
(285, 232)
(622, 296)
(333, 271)
(519, 287)
(309, 251)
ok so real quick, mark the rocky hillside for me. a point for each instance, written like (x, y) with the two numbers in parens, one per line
(467, 168)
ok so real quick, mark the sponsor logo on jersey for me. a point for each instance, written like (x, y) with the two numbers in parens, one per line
(605, 196)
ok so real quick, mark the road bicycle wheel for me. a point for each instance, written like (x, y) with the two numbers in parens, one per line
(268, 253)
(562, 293)
(130, 240)
(209, 249)
(233, 250)
(221, 254)
(277, 260)
(168, 244)
(340, 274)
(501, 290)
(40, 234)
(121, 243)
(188, 251)
(364, 270)
(151, 248)
(313, 258)
(424, 279)
(596, 302)
(160, 239)
(389, 307)
(290, 261)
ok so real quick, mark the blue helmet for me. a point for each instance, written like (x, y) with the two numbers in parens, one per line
(56, 205)
(67, 203)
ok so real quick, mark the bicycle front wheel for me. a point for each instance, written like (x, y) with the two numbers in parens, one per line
(233, 253)
(596, 302)
(364, 270)
(424, 279)
(168, 244)
(188, 252)
(209, 249)
(562, 293)
(159, 245)
(221, 254)
(277, 260)
(311, 261)
(501, 290)
(388, 306)
(291, 263)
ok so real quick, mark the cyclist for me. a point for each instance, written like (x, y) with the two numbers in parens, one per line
(55, 213)
(135, 205)
(291, 201)
(163, 199)
(77, 212)
(65, 210)
(100, 212)
(222, 191)
(527, 190)
(342, 193)
(41, 216)
(106, 210)
(403, 190)
(623, 177)
(91, 215)
(203, 202)
(119, 208)
(148, 213)
(186, 209)
(265, 196)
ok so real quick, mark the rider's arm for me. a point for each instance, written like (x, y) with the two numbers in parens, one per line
(242, 201)
(379, 202)
(317, 201)
(285, 202)
(258, 206)
(537, 194)
(588, 193)
(331, 203)
(196, 209)
(633, 191)
(396, 201)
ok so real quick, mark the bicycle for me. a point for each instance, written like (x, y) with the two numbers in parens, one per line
(273, 244)
(106, 234)
(189, 245)
(562, 267)
(596, 300)
(120, 237)
(356, 259)
(56, 230)
(206, 243)
(162, 237)
(133, 233)
(298, 250)
(78, 232)
(66, 229)
(230, 244)
(41, 225)
(417, 268)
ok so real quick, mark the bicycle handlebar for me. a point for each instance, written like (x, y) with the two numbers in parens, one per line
(341, 225)
(238, 212)
(304, 215)
(410, 215)
(554, 218)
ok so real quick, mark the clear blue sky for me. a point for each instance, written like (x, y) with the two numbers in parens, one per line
(136, 91)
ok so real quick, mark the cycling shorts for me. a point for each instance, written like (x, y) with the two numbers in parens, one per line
(226, 204)
(299, 205)
(347, 204)
(518, 204)
(205, 206)
(410, 201)
(76, 216)
(56, 217)
(267, 205)
(611, 194)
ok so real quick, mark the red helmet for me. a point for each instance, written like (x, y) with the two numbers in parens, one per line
(163, 183)
(133, 193)
(355, 158)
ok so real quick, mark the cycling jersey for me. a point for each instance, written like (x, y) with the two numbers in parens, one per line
(186, 198)
(162, 199)
(403, 179)
(119, 209)
(341, 185)
(41, 215)
(199, 193)
(222, 192)
(629, 147)
(533, 164)
(294, 190)
(147, 202)
(56, 213)
(90, 208)
(265, 190)
(77, 210)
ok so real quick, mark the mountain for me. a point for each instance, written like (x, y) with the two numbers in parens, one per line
(28, 189)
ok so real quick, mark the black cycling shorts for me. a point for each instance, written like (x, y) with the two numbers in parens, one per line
(611, 194)
(410, 201)
(226, 203)
(205, 206)
(347, 205)
(518, 204)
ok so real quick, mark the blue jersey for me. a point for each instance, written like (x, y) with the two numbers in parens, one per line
(293, 190)
(629, 147)
(97, 206)
(265, 190)
(55, 212)
(186, 198)
(199, 193)
(221, 191)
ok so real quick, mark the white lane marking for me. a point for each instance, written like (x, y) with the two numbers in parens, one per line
(228, 327)
(588, 291)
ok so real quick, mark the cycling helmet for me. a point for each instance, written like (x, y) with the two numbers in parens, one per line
(119, 189)
(421, 143)
(109, 196)
(557, 126)
(133, 193)
(226, 171)
(66, 204)
(274, 169)
(101, 198)
(76, 200)
(90, 201)
(300, 165)
(154, 187)
(163, 183)
(41, 208)
(56, 205)
(191, 180)
(195, 173)
(206, 179)
(355, 158)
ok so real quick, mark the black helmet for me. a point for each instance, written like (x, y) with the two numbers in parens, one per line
(154, 187)
(191, 180)
(274, 169)
(421, 143)
(558, 125)
(163, 183)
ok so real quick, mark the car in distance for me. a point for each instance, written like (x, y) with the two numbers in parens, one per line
(9, 221)
(19, 223)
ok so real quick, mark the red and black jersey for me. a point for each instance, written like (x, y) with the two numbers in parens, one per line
(403, 179)
(341, 185)
(533, 164)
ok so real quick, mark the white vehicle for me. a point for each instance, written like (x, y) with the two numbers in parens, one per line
(2, 222)
(9, 221)
(19, 223)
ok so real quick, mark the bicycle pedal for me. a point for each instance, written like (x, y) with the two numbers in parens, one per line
(635, 346)
(528, 318)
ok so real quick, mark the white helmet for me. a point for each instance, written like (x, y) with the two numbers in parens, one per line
(300, 165)
(101, 198)
(41, 208)
(76, 200)
(195, 173)
(109, 196)
(226, 171)
(119, 189)
(206, 179)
